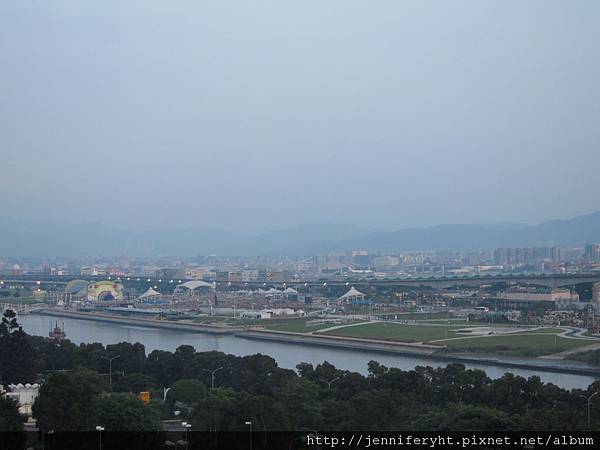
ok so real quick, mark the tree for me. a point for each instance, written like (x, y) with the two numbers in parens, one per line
(188, 391)
(9, 322)
(123, 412)
(259, 374)
(160, 365)
(131, 356)
(349, 385)
(464, 417)
(134, 382)
(454, 383)
(216, 411)
(305, 370)
(184, 356)
(11, 425)
(508, 393)
(56, 354)
(326, 371)
(10, 419)
(19, 360)
(376, 369)
(300, 400)
(67, 402)
(366, 410)
(92, 357)
(553, 419)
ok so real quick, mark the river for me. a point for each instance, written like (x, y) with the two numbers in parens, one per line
(286, 355)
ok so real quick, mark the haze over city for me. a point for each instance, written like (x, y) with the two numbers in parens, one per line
(262, 115)
(266, 225)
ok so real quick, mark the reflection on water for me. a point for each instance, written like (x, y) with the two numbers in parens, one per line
(286, 355)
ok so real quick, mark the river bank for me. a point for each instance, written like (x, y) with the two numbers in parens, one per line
(429, 352)
(248, 332)
(145, 322)
(287, 354)
(434, 355)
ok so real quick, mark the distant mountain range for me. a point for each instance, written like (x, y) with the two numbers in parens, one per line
(30, 238)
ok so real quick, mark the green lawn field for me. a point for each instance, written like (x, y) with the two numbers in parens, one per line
(294, 325)
(535, 343)
(20, 300)
(396, 332)
(515, 345)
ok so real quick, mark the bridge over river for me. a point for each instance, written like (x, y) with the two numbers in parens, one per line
(550, 281)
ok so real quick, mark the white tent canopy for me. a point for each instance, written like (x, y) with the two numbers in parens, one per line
(150, 293)
(352, 294)
(270, 291)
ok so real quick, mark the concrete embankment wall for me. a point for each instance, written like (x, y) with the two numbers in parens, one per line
(328, 341)
(151, 323)
(421, 350)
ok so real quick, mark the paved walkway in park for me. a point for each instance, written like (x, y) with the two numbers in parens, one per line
(563, 355)
(337, 327)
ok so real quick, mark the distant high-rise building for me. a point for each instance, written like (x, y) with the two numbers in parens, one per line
(385, 262)
(222, 275)
(588, 252)
(557, 253)
(591, 253)
(499, 256)
(596, 293)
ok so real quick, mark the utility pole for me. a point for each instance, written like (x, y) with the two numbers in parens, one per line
(249, 423)
(99, 429)
(165, 392)
(212, 376)
(589, 404)
(186, 426)
(110, 360)
(44, 433)
(329, 382)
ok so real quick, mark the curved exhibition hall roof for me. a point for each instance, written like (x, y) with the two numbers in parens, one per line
(75, 286)
(195, 284)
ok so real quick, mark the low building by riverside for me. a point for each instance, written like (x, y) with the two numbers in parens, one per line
(562, 298)
(272, 313)
(24, 394)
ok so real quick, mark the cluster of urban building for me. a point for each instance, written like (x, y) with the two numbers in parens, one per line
(355, 264)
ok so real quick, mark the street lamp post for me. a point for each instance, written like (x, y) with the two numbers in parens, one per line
(249, 423)
(314, 434)
(329, 382)
(212, 376)
(110, 360)
(99, 429)
(293, 440)
(589, 398)
(165, 392)
(187, 426)
(44, 433)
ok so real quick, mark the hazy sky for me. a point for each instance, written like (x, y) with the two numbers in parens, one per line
(263, 114)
